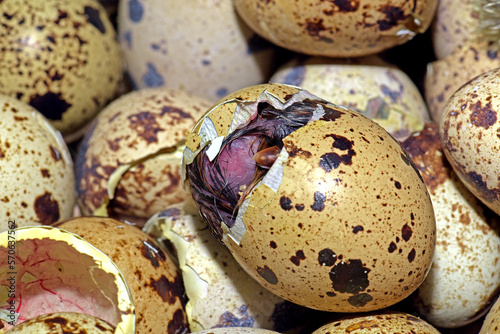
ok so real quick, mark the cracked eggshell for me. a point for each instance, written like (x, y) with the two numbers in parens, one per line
(36, 170)
(465, 274)
(200, 46)
(128, 163)
(384, 322)
(338, 28)
(357, 235)
(153, 278)
(443, 77)
(469, 133)
(369, 85)
(53, 268)
(61, 57)
(220, 293)
(64, 323)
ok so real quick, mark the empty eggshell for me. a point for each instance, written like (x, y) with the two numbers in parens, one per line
(220, 292)
(153, 278)
(128, 163)
(369, 85)
(200, 46)
(36, 170)
(469, 132)
(61, 57)
(465, 274)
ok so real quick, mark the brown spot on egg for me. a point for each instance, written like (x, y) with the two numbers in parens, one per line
(411, 255)
(175, 113)
(94, 18)
(169, 291)
(228, 319)
(482, 116)
(319, 201)
(331, 114)
(406, 232)
(346, 5)
(267, 274)
(45, 173)
(299, 256)
(393, 15)
(51, 105)
(178, 324)
(46, 209)
(357, 229)
(56, 320)
(293, 150)
(145, 125)
(286, 203)
(151, 251)
(392, 247)
(55, 153)
(349, 277)
(359, 300)
(364, 324)
(476, 179)
(327, 257)
(314, 26)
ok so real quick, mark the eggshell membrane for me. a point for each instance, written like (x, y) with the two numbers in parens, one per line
(386, 322)
(133, 152)
(491, 322)
(337, 28)
(63, 58)
(64, 323)
(465, 273)
(443, 77)
(36, 170)
(368, 85)
(281, 240)
(201, 46)
(153, 278)
(220, 293)
(469, 132)
(455, 22)
(54, 270)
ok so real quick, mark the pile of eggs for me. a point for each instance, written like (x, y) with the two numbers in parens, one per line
(233, 166)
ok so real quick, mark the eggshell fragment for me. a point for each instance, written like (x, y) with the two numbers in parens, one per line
(200, 46)
(469, 132)
(61, 57)
(386, 322)
(465, 274)
(128, 163)
(341, 221)
(337, 28)
(46, 269)
(154, 279)
(64, 323)
(36, 170)
(369, 85)
(220, 292)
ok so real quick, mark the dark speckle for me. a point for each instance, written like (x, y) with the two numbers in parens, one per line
(273, 244)
(406, 232)
(286, 203)
(346, 5)
(228, 319)
(145, 125)
(300, 207)
(51, 105)
(56, 155)
(268, 275)
(299, 256)
(152, 252)
(178, 324)
(357, 229)
(169, 291)
(411, 255)
(349, 277)
(393, 15)
(56, 320)
(327, 257)
(392, 247)
(152, 78)
(94, 18)
(482, 116)
(360, 300)
(46, 209)
(135, 10)
(397, 184)
(319, 201)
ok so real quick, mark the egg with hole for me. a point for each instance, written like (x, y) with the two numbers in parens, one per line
(317, 202)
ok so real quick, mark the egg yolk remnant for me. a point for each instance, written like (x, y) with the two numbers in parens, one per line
(220, 185)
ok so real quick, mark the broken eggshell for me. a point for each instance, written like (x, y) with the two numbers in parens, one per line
(153, 278)
(128, 163)
(61, 57)
(341, 212)
(37, 177)
(55, 270)
(220, 293)
(369, 85)
(465, 274)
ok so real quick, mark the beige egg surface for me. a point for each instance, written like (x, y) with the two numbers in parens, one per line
(324, 207)
(369, 85)
(201, 46)
(61, 57)
(469, 133)
(443, 77)
(46, 270)
(382, 322)
(465, 274)
(491, 322)
(36, 170)
(153, 278)
(220, 293)
(64, 323)
(338, 28)
(128, 162)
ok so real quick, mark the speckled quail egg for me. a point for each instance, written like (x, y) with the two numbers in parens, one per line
(36, 170)
(153, 278)
(337, 28)
(469, 131)
(220, 293)
(46, 269)
(465, 274)
(491, 322)
(443, 77)
(61, 57)
(64, 323)
(369, 85)
(128, 162)
(200, 46)
(317, 202)
(383, 322)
